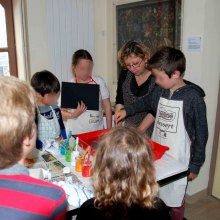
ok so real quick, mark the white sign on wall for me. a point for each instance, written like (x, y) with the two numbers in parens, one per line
(194, 44)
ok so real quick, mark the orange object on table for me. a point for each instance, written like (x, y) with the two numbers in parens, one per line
(79, 164)
(89, 138)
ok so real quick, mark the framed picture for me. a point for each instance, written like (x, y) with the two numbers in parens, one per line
(156, 23)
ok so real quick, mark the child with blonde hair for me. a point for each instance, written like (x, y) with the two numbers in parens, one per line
(124, 180)
(22, 197)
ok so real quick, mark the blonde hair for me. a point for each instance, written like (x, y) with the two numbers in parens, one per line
(133, 48)
(17, 118)
(124, 172)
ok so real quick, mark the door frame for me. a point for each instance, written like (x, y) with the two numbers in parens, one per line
(215, 146)
(11, 47)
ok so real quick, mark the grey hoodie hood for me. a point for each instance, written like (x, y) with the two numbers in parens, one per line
(195, 87)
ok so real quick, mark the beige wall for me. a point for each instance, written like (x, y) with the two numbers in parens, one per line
(52, 31)
(204, 68)
(200, 18)
(105, 42)
(100, 40)
(37, 35)
(31, 35)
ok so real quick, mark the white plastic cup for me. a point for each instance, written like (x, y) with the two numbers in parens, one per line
(74, 154)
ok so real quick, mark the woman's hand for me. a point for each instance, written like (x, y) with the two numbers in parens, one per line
(117, 108)
(81, 107)
(119, 115)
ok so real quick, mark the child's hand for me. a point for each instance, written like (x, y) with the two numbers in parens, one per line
(119, 115)
(191, 176)
(81, 107)
(58, 139)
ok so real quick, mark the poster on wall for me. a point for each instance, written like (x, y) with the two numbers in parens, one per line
(156, 23)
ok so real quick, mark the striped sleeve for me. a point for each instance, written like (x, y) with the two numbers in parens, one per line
(24, 197)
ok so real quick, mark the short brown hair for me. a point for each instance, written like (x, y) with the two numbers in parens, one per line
(17, 118)
(81, 55)
(133, 48)
(124, 173)
(169, 60)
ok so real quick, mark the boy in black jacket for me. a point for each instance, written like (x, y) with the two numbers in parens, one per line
(180, 120)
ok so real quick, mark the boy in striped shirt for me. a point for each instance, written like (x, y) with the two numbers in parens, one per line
(21, 196)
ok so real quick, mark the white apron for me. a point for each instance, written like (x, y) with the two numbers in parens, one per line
(169, 130)
(87, 121)
(48, 128)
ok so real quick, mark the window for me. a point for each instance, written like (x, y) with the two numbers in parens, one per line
(8, 64)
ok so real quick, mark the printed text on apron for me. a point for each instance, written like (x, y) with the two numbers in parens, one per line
(169, 130)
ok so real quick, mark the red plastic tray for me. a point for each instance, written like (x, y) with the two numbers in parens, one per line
(158, 150)
(88, 138)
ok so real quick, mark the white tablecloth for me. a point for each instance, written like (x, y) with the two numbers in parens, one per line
(165, 167)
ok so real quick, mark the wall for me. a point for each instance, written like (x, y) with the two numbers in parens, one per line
(49, 31)
(203, 67)
(105, 41)
(70, 27)
(100, 40)
(37, 35)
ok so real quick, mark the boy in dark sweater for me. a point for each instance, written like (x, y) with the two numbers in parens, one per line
(180, 120)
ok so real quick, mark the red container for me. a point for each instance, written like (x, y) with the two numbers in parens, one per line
(87, 139)
(87, 169)
(158, 150)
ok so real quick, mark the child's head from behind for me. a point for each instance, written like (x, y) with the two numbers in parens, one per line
(82, 64)
(46, 86)
(17, 120)
(168, 66)
(133, 56)
(124, 172)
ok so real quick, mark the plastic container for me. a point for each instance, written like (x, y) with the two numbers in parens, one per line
(87, 169)
(62, 150)
(68, 155)
(158, 150)
(79, 164)
(87, 139)
(74, 155)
